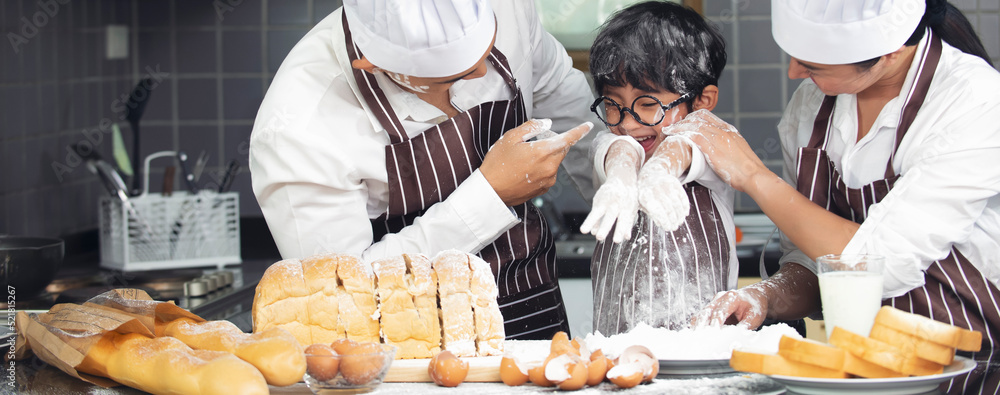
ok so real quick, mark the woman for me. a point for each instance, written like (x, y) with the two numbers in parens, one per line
(892, 144)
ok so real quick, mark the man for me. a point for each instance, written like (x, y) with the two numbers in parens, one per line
(399, 126)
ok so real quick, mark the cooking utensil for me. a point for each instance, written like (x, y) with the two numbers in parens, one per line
(199, 165)
(134, 108)
(186, 172)
(29, 263)
(168, 181)
(232, 169)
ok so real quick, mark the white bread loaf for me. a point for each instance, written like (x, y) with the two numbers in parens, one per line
(407, 293)
(922, 348)
(485, 310)
(457, 323)
(829, 357)
(318, 299)
(165, 365)
(274, 352)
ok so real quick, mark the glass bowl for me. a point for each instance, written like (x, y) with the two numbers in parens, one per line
(348, 373)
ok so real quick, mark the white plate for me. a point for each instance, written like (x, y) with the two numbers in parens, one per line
(694, 366)
(902, 385)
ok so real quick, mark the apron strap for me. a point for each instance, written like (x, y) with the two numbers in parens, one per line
(375, 97)
(918, 92)
(821, 126)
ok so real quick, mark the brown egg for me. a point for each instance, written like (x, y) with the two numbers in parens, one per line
(537, 376)
(321, 362)
(569, 372)
(342, 345)
(360, 364)
(597, 369)
(511, 372)
(446, 370)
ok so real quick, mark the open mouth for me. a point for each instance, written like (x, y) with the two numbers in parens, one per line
(646, 142)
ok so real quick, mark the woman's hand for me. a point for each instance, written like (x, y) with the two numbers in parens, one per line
(615, 201)
(727, 152)
(746, 307)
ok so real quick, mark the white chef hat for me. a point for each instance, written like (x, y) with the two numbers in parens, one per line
(843, 31)
(422, 38)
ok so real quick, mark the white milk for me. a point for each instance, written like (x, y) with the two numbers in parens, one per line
(850, 300)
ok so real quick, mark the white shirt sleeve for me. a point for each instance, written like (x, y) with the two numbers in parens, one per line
(562, 94)
(942, 192)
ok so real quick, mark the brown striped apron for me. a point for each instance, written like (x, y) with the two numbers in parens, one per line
(954, 291)
(661, 278)
(425, 169)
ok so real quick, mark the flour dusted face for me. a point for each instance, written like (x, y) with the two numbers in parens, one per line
(649, 137)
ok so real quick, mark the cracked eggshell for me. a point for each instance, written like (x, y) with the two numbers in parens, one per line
(626, 375)
(644, 357)
(569, 372)
(512, 371)
(537, 376)
(597, 369)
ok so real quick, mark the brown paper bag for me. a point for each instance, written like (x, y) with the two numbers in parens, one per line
(62, 336)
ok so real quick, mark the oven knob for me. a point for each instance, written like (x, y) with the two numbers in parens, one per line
(228, 277)
(195, 288)
(213, 282)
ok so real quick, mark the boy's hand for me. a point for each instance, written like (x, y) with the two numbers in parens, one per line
(615, 201)
(519, 170)
(661, 194)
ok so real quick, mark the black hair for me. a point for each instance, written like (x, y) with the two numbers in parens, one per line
(657, 46)
(949, 23)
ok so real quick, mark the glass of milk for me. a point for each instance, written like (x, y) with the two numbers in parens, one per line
(850, 287)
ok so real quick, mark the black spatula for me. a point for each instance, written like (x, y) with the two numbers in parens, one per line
(134, 107)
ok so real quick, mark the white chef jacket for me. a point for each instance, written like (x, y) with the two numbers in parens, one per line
(948, 162)
(317, 153)
(699, 171)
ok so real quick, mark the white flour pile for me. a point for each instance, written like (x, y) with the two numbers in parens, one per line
(703, 343)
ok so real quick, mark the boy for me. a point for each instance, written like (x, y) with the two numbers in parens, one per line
(652, 64)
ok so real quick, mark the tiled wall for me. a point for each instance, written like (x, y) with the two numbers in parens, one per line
(755, 87)
(219, 56)
(216, 58)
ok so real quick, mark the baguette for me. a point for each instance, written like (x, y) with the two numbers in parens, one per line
(165, 365)
(928, 329)
(883, 354)
(770, 364)
(274, 352)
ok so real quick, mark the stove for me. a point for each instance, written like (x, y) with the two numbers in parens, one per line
(211, 294)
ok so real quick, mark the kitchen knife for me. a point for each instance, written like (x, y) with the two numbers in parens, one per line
(186, 173)
(232, 169)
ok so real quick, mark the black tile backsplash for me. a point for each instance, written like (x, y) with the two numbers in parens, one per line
(215, 63)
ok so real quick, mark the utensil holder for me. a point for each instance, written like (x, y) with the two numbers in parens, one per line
(166, 232)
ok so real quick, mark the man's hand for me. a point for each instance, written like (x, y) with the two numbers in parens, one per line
(519, 170)
(746, 307)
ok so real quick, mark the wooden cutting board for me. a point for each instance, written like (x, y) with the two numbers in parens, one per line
(481, 369)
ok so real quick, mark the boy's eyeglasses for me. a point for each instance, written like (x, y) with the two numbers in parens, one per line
(645, 109)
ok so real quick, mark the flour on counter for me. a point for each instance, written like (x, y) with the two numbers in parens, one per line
(703, 343)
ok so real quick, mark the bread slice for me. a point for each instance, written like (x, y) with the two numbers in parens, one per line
(408, 305)
(769, 364)
(833, 358)
(811, 352)
(883, 354)
(928, 329)
(281, 300)
(322, 304)
(485, 310)
(922, 348)
(356, 301)
(458, 326)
